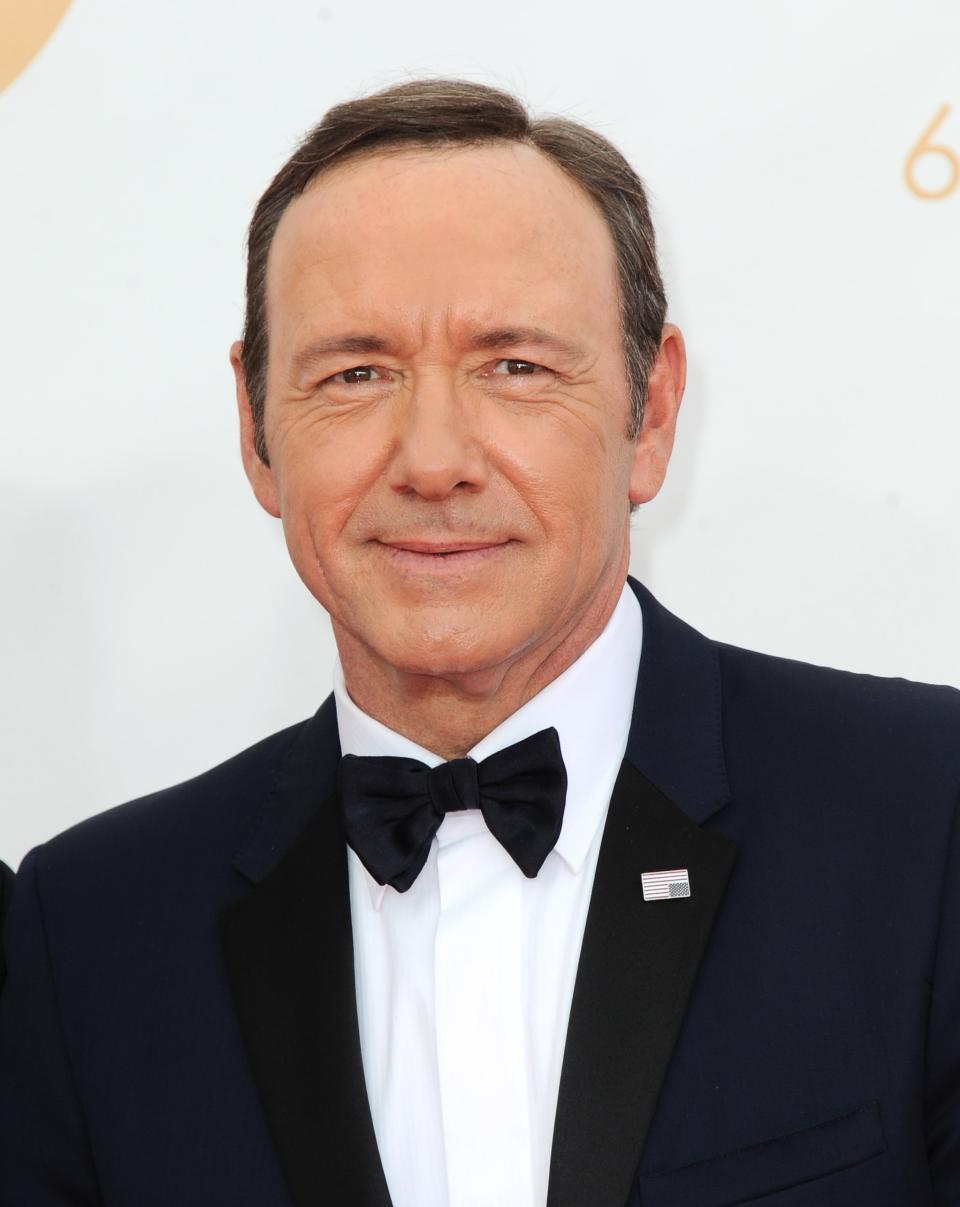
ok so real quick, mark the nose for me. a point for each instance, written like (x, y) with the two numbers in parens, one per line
(438, 448)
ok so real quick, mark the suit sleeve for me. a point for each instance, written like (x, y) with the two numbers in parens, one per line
(45, 1158)
(942, 1097)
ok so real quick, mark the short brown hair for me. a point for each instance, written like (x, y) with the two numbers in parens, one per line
(444, 112)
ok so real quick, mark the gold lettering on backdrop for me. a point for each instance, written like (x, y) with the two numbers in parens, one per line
(25, 25)
(925, 149)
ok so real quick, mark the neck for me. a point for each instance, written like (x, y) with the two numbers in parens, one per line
(450, 714)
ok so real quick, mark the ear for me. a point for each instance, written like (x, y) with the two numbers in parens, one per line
(654, 444)
(259, 474)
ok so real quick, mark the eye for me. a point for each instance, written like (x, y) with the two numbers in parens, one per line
(516, 368)
(356, 376)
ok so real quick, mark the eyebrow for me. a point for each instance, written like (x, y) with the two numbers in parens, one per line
(506, 337)
(491, 340)
(318, 349)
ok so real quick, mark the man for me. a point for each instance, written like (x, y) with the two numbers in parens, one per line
(553, 900)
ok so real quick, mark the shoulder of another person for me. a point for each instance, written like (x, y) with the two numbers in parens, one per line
(7, 878)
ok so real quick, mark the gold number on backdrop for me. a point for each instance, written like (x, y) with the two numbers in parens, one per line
(25, 27)
(923, 147)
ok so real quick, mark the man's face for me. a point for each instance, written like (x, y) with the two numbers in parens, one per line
(447, 405)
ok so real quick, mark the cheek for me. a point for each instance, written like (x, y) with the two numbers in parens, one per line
(574, 475)
(322, 482)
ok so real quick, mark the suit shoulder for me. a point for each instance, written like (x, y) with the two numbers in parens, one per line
(207, 810)
(749, 668)
(883, 718)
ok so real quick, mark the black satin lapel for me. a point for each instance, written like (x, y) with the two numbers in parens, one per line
(288, 948)
(638, 964)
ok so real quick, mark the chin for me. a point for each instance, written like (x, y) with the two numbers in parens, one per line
(443, 651)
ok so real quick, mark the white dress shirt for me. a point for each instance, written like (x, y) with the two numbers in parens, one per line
(464, 982)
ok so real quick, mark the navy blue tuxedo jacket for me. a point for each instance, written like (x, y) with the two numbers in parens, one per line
(179, 1029)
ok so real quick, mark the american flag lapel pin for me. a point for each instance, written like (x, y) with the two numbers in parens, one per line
(661, 886)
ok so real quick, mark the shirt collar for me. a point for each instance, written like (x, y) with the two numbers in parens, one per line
(590, 705)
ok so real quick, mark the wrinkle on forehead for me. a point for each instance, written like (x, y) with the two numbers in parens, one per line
(437, 239)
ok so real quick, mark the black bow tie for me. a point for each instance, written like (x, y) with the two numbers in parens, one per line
(392, 807)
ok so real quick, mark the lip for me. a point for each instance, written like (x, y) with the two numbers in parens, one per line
(441, 548)
(439, 560)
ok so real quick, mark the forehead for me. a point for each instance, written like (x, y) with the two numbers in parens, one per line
(424, 235)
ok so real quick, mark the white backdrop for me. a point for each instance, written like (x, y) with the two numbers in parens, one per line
(152, 624)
